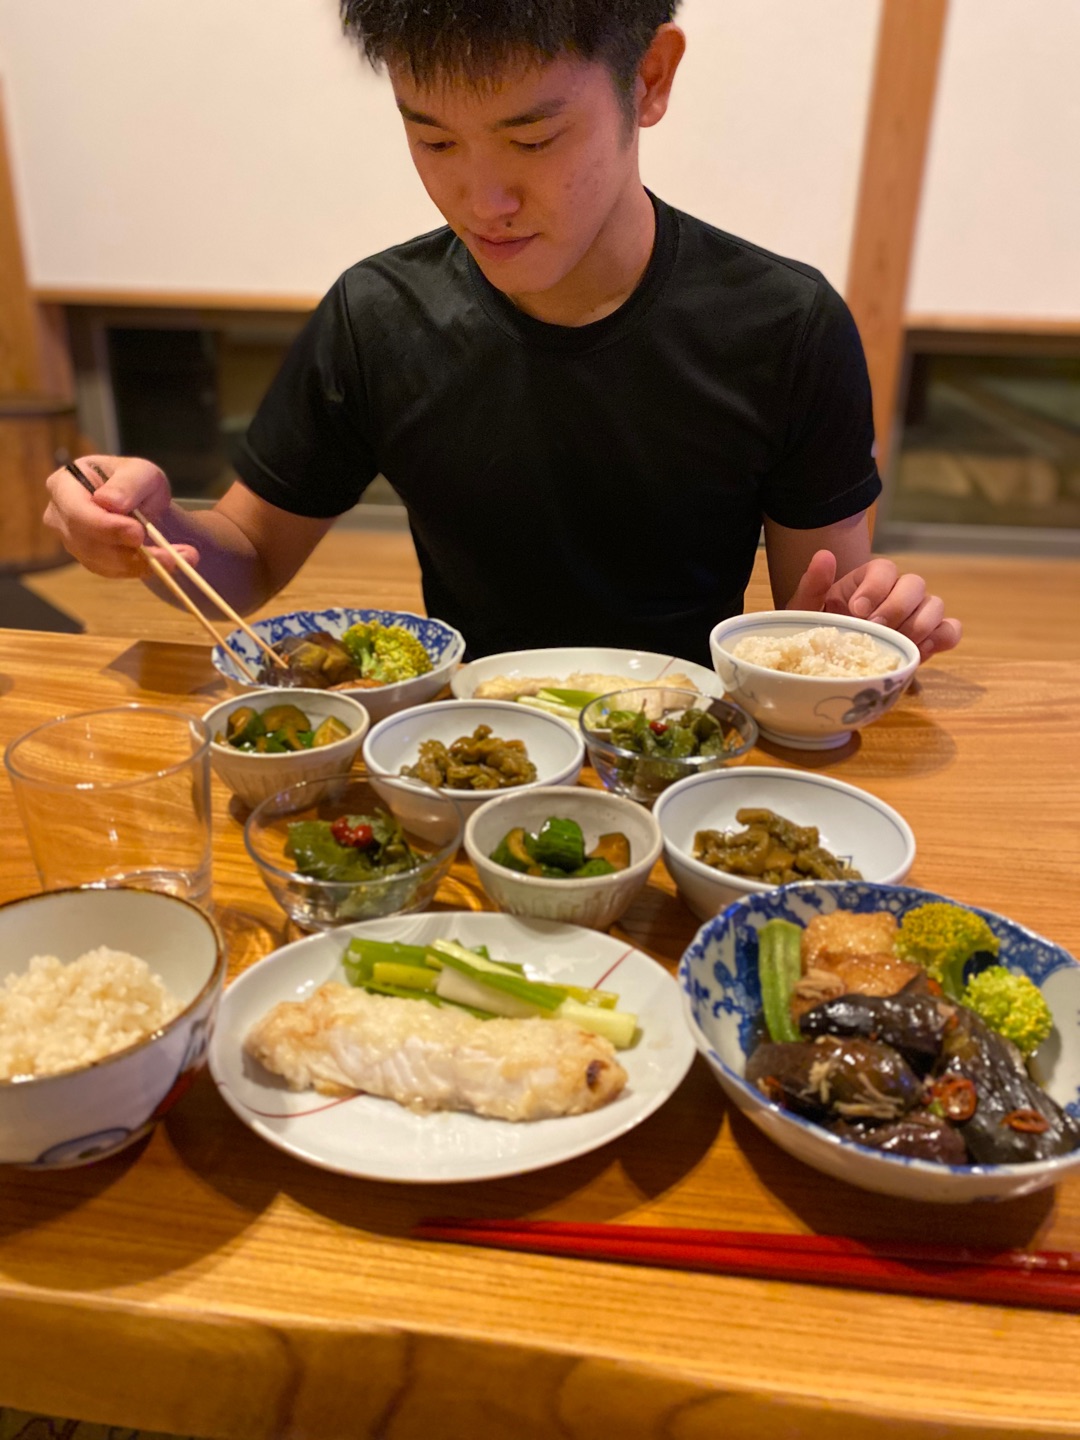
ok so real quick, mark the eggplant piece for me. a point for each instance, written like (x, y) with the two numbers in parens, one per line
(316, 661)
(918, 1135)
(913, 1022)
(843, 1078)
(1015, 1120)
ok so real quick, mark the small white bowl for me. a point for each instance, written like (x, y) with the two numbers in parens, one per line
(809, 712)
(557, 751)
(853, 824)
(57, 1121)
(444, 645)
(722, 1003)
(252, 777)
(597, 901)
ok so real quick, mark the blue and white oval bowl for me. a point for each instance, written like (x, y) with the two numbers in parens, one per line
(443, 643)
(722, 1003)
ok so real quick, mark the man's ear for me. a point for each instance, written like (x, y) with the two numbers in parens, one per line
(656, 73)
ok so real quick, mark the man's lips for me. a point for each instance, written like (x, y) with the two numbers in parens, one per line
(501, 247)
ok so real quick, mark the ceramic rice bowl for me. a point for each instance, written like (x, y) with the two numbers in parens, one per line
(809, 712)
(58, 1121)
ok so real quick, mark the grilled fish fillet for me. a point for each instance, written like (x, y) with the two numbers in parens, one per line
(342, 1040)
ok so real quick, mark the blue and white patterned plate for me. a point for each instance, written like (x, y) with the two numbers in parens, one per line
(443, 643)
(722, 1001)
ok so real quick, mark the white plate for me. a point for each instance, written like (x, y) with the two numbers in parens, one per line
(380, 1140)
(636, 665)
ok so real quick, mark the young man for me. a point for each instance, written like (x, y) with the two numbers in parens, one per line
(589, 403)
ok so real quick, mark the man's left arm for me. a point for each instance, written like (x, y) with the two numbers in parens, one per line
(831, 568)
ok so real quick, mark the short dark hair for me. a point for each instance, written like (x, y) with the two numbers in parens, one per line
(476, 39)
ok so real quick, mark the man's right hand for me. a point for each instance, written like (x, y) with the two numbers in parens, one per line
(99, 530)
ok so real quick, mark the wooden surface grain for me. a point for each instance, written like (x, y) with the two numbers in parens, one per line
(206, 1283)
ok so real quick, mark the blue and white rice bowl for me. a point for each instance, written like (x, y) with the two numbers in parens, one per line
(443, 643)
(722, 1004)
(74, 1117)
(809, 712)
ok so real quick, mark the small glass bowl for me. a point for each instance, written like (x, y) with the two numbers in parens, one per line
(643, 777)
(432, 823)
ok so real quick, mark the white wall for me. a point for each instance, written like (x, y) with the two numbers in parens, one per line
(243, 146)
(999, 230)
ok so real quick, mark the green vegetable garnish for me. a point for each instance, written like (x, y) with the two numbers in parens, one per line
(779, 969)
(1012, 1005)
(942, 938)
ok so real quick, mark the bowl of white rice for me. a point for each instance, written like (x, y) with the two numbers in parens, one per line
(107, 1002)
(810, 679)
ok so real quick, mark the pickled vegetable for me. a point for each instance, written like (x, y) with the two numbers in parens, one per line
(772, 849)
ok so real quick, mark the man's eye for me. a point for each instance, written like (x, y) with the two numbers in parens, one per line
(531, 147)
(436, 147)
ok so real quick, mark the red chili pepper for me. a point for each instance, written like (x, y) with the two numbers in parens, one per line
(956, 1095)
(1029, 1122)
(658, 727)
(358, 837)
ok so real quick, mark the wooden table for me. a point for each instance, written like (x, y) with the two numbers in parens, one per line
(205, 1283)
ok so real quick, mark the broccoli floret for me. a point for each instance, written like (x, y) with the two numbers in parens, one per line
(943, 938)
(1012, 1005)
(386, 653)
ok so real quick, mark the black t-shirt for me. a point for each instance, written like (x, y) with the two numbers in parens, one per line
(595, 485)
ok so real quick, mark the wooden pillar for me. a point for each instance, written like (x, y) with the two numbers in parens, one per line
(20, 351)
(37, 414)
(897, 132)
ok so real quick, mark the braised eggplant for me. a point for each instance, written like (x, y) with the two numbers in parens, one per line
(918, 1135)
(1014, 1119)
(914, 1022)
(837, 1078)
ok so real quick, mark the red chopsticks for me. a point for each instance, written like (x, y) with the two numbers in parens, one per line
(1047, 1279)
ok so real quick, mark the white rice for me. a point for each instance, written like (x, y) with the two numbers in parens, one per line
(822, 650)
(56, 1017)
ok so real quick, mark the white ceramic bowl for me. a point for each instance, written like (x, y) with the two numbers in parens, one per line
(56, 1121)
(252, 777)
(557, 751)
(597, 901)
(722, 1001)
(638, 667)
(809, 712)
(443, 643)
(853, 824)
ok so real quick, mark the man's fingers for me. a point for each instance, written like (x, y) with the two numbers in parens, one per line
(813, 588)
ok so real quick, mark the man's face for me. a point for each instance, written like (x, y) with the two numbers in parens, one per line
(527, 170)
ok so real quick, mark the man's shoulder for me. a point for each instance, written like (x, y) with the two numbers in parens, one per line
(737, 261)
(426, 260)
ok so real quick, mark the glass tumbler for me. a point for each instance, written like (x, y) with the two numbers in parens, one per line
(117, 797)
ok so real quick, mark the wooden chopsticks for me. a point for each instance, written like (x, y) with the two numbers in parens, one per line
(193, 575)
(1046, 1279)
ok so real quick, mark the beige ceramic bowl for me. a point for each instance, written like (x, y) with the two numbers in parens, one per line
(597, 901)
(252, 777)
(57, 1121)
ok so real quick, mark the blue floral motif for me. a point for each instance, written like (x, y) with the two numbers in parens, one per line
(718, 975)
(443, 643)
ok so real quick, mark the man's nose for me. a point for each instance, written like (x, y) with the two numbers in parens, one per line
(492, 197)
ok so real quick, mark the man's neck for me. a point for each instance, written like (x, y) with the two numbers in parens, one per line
(607, 274)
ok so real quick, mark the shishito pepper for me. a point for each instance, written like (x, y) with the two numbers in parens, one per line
(779, 969)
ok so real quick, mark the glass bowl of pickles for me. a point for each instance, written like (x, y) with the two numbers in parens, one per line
(267, 741)
(642, 740)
